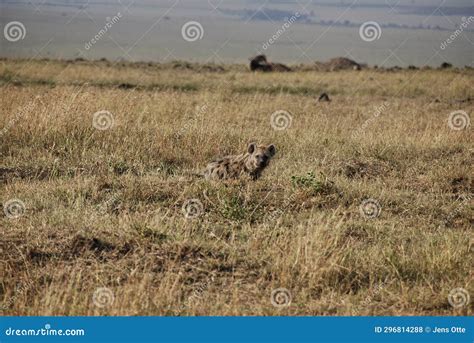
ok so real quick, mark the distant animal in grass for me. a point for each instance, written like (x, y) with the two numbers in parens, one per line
(324, 98)
(260, 63)
(251, 163)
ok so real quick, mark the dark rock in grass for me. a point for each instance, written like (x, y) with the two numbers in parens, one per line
(445, 65)
(126, 86)
(324, 98)
(260, 63)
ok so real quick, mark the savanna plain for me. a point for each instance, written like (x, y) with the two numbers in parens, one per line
(366, 208)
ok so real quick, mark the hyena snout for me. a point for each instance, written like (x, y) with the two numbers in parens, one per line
(262, 160)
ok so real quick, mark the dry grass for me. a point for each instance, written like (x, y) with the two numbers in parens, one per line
(104, 208)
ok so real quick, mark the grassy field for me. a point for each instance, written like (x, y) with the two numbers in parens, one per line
(366, 208)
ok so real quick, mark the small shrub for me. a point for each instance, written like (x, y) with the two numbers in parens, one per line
(310, 181)
(234, 209)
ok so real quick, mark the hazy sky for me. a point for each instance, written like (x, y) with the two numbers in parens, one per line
(407, 31)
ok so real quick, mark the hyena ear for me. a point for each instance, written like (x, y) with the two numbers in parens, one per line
(271, 150)
(252, 147)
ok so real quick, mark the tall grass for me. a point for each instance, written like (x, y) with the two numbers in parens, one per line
(104, 208)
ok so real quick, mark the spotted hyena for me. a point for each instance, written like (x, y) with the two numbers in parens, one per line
(252, 163)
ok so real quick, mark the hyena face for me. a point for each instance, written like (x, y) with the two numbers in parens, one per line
(259, 157)
(252, 163)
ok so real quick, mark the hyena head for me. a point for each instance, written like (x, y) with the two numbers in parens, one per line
(259, 157)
